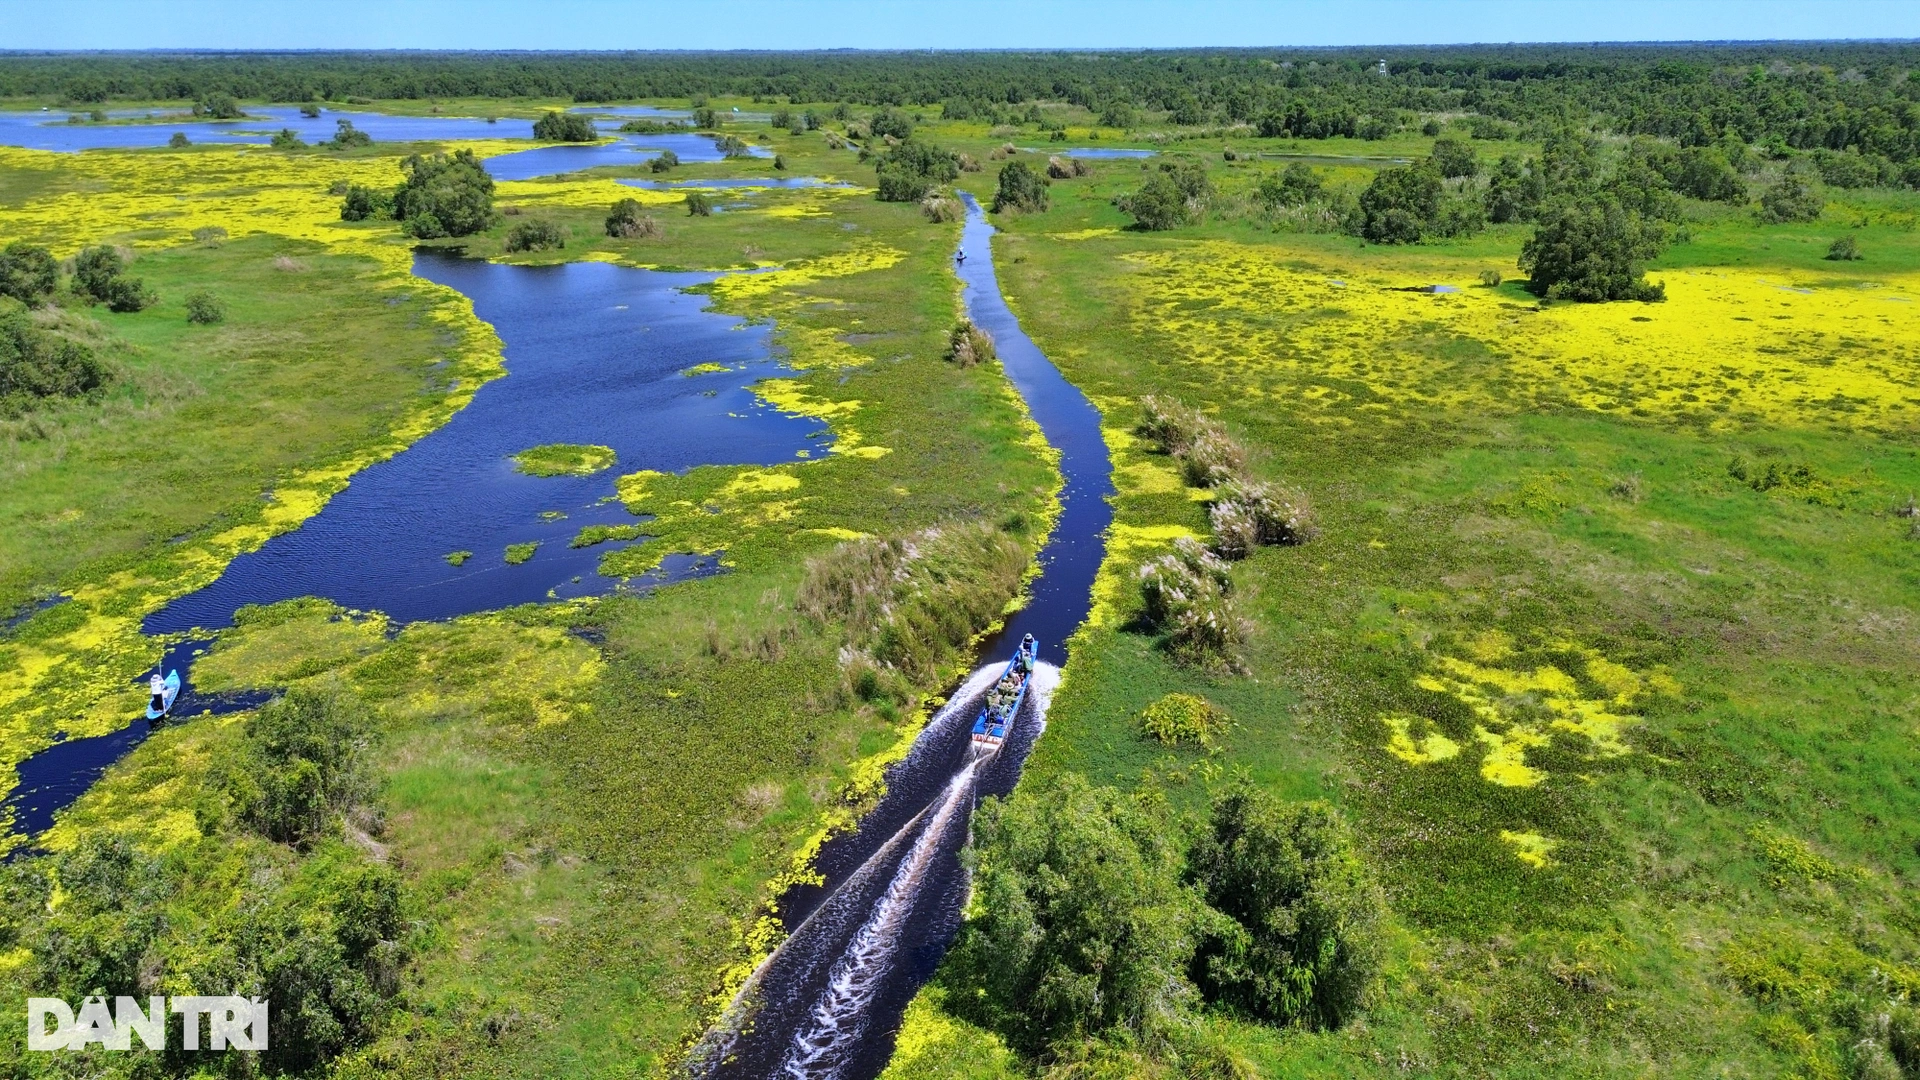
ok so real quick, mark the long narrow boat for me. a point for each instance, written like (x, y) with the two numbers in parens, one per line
(1004, 698)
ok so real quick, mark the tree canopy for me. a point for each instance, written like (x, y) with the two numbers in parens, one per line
(444, 195)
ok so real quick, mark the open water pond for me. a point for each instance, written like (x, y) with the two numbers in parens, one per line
(596, 355)
(1091, 152)
(50, 131)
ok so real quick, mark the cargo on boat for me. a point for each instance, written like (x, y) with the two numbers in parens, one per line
(1003, 700)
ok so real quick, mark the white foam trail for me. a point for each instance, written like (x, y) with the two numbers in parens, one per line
(839, 1018)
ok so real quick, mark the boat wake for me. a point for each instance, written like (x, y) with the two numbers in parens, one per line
(862, 936)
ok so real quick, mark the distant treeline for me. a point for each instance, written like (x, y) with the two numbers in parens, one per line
(1801, 95)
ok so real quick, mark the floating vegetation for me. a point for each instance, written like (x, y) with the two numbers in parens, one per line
(457, 558)
(519, 553)
(564, 459)
(1179, 719)
(1278, 332)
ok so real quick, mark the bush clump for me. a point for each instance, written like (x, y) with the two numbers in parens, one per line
(301, 765)
(1263, 515)
(178, 141)
(28, 273)
(1188, 595)
(564, 127)
(1796, 196)
(205, 309)
(968, 345)
(664, 161)
(1845, 249)
(1176, 194)
(941, 209)
(346, 136)
(362, 202)
(1296, 185)
(629, 222)
(1059, 168)
(100, 276)
(442, 195)
(1300, 944)
(287, 139)
(911, 170)
(536, 236)
(698, 204)
(1178, 719)
(37, 364)
(211, 236)
(1592, 250)
(1020, 188)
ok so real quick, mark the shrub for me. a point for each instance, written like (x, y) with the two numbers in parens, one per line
(1170, 423)
(1207, 633)
(1400, 204)
(1176, 194)
(967, 162)
(1490, 278)
(287, 139)
(1187, 594)
(1845, 249)
(1453, 158)
(209, 235)
(205, 309)
(968, 345)
(107, 921)
(28, 272)
(1213, 458)
(780, 162)
(178, 140)
(444, 195)
(564, 127)
(346, 136)
(1295, 185)
(1060, 168)
(1234, 533)
(218, 106)
(1592, 250)
(909, 171)
(663, 161)
(94, 267)
(535, 236)
(1020, 188)
(1180, 718)
(698, 205)
(1078, 926)
(732, 146)
(310, 110)
(363, 202)
(940, 209)
(1278, 515)
(1303, 945)
(891, 122)
(300, 764)
(129, 294)
(1703, 172)
(1797, 196)
(36, 363)
(628, 222)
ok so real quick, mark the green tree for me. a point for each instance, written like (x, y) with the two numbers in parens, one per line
(28, 272)
(363, 202)
(99, 274)
(178, 141)
(300, 764)
(287, 139)
(444, 195)
(1454, 158)
(218, 105)
(1703, 172)
(907, 172)
(1296, 185)
(891, 122)
(564, 127)
(1078, 925)
(36, 363)
(664, 161)
(535, 236)
(1510, 195)
(1592, 250)
(1796, 196)
(1400, 204)
(310, 110)
(1174, 195)
(346, 136)
(1301, 943)
(1021, 187)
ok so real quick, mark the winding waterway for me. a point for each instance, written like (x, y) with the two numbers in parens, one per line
(828, 1003)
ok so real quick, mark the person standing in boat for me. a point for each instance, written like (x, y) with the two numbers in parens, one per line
(158, 687)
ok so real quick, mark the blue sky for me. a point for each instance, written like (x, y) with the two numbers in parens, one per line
(879, 24)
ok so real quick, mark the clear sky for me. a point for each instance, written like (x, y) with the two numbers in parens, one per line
(943, 24)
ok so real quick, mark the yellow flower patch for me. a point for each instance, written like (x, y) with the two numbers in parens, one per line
(1428, 747)
(1530, 848)
(1727, 346)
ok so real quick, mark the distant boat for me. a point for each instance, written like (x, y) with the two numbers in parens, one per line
(162, 702)
(1005, 696)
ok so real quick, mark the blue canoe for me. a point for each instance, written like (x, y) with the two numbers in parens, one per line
(1005, 695)
(162, 703)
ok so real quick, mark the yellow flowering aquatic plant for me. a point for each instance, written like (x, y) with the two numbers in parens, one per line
(1729, 346)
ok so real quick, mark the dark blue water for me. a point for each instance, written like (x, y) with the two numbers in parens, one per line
(859, 866)
(48, 131)
(595, 354)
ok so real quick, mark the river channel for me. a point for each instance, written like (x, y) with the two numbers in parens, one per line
(828, 1003)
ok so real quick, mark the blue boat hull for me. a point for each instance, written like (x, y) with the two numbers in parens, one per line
(1004, 700)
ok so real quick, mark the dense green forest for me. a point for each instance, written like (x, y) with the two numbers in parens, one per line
(1802, 95)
